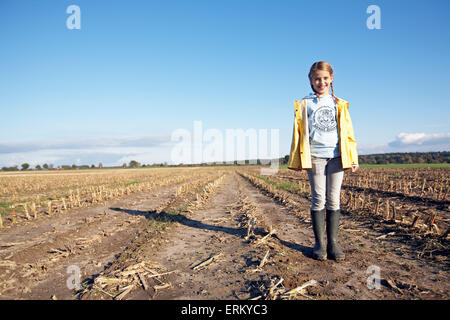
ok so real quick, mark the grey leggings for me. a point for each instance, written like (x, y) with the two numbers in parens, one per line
(325, 178)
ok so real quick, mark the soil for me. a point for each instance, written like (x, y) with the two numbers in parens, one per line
(156, 230)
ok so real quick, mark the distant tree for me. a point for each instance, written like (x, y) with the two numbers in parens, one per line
(124, 165)
(93, 166)
(134, 164)
(45, 166)
(74, 166)
(408, 158)
(420, 159)
(15, 168)
(25, 166)
(38, 167)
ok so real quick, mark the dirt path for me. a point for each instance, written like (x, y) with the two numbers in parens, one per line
(216, 231)
(212, 253)
(368, 250)
(35, 256)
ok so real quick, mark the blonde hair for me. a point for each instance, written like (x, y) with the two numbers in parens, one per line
(323, 66)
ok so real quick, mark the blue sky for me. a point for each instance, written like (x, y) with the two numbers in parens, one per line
(136, 71)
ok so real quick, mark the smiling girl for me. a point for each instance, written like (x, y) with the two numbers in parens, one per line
(323, 143)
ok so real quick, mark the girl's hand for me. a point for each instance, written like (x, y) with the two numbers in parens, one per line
(354, 168)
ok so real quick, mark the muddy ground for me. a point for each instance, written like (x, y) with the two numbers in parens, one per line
(155, 246)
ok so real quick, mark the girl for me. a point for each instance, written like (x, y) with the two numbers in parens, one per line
(323, 143)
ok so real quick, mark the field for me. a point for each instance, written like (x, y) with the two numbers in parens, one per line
(220, 233)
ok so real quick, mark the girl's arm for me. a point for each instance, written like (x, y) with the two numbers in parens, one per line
(351, 142)
(294, 157)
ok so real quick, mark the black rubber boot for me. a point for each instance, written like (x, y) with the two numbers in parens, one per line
(318, 223)
(333, 250)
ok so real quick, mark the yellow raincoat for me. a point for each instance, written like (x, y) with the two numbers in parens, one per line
(300, 155)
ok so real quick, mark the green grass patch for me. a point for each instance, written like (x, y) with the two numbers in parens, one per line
(5, 205)
(119, 185)
(131, 183)
(283, 185)
(5, 208)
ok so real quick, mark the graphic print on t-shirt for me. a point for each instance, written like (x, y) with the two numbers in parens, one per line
(324, 119)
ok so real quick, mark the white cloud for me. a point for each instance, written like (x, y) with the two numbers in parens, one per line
(410, 142)
(421, 139)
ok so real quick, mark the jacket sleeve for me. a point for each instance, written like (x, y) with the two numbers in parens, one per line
(351, 140)
(294, 157)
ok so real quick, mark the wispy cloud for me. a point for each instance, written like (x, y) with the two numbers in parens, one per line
(410, 142)
(109, 151)
(92, 143)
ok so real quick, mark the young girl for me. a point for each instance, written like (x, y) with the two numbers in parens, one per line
(323, 143)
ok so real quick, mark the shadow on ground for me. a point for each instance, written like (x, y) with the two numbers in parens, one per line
(239, 232)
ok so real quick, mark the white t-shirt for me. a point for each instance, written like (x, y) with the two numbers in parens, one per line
(323, 129)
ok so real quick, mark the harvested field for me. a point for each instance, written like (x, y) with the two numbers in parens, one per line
(219, 233)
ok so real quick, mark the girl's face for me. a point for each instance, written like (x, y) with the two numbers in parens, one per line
(321, 81)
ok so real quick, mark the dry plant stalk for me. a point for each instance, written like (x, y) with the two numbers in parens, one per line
(161, 274)
(291, 293)
(387, 210)
(385, 235)
(423, 187)
(13, 213)
(272, 289)
(250, 228)
(263, 261)
(263, 239)
(33, 209)
(275, 293)
(144, 283)
(377, 207)
(414, 222)
(27, 215)
(206, 262)
(394, 212)
(363, 200)
(124, 292)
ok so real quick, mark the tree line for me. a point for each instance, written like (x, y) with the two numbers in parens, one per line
(406, 158)
(400, 158)
(381, 158)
